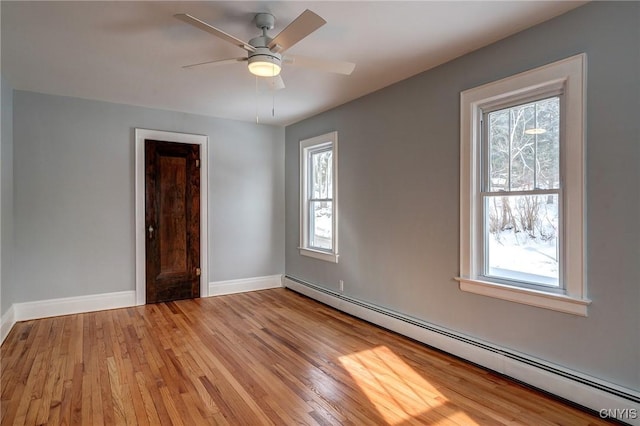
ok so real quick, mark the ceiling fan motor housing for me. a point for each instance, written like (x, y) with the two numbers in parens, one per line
(262, 57)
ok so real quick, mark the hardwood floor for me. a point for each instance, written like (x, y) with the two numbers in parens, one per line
(268, 357)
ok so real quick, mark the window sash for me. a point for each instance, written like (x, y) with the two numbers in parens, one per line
(311, 170)
(311, 226)
(484, 269)
(485, 192)
(311, 200)
(485, 151)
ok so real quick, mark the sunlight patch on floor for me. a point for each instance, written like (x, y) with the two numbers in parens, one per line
(397, 391)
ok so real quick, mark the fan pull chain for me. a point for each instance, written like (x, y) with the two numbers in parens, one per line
(273, 91)
(257, 118)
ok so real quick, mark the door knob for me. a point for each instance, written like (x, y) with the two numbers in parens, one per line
(150, 231)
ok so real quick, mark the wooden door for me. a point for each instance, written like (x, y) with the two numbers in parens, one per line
(172, 220)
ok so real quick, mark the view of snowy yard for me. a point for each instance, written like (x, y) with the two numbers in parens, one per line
(521, 250)
(321, 225)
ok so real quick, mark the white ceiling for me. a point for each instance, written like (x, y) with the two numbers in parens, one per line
(132, 52)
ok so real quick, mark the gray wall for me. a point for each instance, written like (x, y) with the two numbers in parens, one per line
(6, 203)
(399, 197)
(74, 195)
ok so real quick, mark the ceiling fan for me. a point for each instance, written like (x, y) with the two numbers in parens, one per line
(265, 54)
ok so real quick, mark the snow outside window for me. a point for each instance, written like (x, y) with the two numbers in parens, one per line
(318, 201)
(521, 190)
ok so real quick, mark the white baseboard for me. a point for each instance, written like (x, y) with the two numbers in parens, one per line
(219, 288)
(582, 389)
(98, 302)
(7, 322)
(73, 305)
(65, 306)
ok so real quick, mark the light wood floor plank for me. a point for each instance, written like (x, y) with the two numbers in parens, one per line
(271, 357)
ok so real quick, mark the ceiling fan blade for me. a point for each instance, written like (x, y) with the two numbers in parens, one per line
(275, 83)
(338, 67)
(217, 62)
(301, 27)
(213, 30)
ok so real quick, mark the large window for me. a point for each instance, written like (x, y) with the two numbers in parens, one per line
(318, 197)
(520, 192)
(522, 178)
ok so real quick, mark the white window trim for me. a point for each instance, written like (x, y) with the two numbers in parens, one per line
(329, 139)
(570, 75)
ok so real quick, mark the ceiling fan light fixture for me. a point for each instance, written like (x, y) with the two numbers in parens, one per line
(264, 65)
(264, 68)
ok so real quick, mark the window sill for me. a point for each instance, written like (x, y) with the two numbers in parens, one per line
(557, 302)
(317, 254)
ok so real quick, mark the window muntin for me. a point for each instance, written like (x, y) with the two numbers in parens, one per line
(520, 193)
(318, 197)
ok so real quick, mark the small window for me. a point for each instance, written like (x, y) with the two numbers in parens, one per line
(522, 188)
(318, 200)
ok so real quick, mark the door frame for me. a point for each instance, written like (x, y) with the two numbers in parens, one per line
(140, 136)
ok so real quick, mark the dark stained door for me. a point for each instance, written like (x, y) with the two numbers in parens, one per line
(172, 215)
